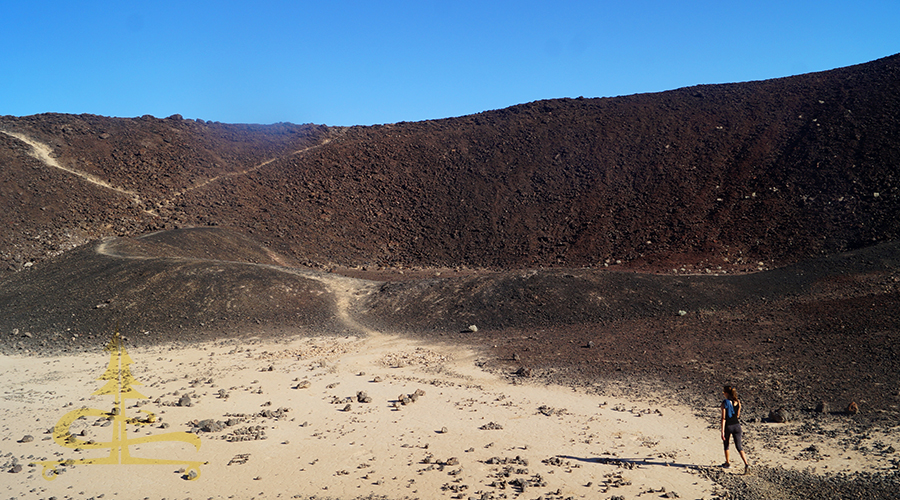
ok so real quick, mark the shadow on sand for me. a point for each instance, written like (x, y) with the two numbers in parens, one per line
(630, 463)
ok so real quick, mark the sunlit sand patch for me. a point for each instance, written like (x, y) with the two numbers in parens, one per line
(347, 417)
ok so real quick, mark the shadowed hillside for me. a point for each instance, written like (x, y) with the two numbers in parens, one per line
(727, 175)
(178, 286)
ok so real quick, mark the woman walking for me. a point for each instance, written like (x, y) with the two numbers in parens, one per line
(731, 426)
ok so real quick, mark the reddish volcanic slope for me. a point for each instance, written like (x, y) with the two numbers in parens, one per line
(728, 175)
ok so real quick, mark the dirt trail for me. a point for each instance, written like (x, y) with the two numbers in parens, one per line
(334, 134)
(345, 290)
(43, 152)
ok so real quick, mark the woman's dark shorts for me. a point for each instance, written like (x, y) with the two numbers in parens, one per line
(736, 431)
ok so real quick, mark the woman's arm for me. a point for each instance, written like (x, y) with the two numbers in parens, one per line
(737, 408)
(723, 421)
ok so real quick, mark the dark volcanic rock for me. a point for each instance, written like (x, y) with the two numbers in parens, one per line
(767, 483)
(210, 425)
(779, 416)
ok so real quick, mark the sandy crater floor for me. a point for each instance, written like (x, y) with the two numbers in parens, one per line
(471, 433)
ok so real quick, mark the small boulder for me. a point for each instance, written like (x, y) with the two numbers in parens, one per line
(185, 400)
(822, 407)
(210, 425)
(779, 416)
(853, 408)
(27, 438)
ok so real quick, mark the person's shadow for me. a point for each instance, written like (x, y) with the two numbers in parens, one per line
(629, 463)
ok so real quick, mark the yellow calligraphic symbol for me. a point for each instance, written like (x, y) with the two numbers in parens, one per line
(119, 384)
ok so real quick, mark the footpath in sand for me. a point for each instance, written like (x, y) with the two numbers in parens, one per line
(340, 417)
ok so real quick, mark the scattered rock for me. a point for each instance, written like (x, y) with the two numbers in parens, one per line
(473, 328)
(185, 400)
(239, 459)
(491, 426)
(209, 425)
(523, 372)
(822, 407)
(27, 438)
(444, 430)
(280, 412)
(304, 384)
(362, 397)
(556, 461)
(853, 408)
(508, 461)
(252, 433)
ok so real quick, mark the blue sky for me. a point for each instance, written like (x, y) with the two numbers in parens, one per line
(360, 63)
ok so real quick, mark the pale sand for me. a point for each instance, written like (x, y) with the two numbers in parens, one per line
(319, 449)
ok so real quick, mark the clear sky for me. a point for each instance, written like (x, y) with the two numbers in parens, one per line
(360, 63)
